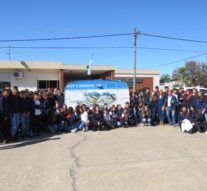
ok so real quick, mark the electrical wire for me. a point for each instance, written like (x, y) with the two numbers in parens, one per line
(67, 47)
(190, 31)
(98, 47)
(173, 38)
(177, 61)
(110, 47)
(101, 36)
(169, 49)
(67, 38)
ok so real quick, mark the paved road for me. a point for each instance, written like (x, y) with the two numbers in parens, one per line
(143, 158)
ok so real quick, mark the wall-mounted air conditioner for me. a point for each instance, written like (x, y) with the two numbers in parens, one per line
(17, 74)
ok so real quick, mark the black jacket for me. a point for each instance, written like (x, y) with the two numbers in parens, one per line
(14, 104)
(5, 111)
(59, 99)
(133, 102)
(25, 105)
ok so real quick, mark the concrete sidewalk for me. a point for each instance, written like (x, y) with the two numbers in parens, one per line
(141, 158)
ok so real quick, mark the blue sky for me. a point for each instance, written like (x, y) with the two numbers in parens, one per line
(22, 19)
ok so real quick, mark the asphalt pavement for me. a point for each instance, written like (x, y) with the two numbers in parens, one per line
(132, 159)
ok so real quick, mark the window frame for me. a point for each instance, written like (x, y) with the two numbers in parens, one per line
(47, 84)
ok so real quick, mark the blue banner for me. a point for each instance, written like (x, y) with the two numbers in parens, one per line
(96, 85)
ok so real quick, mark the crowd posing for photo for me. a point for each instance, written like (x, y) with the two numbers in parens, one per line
(27, 114)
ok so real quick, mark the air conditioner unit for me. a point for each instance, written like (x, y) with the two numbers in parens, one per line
(18, 74)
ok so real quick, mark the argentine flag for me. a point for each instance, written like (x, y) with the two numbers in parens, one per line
(89, 66)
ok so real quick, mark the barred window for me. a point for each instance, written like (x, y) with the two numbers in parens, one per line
(3, 85)
(45, 84)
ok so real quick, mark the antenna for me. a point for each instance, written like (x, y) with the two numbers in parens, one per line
(9, 52)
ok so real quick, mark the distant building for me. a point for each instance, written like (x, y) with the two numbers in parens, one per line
(144, 78)
(35, 75)
(172, 84)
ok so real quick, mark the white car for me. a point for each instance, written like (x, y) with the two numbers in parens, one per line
(200, 89)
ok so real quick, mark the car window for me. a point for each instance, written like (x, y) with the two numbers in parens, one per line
(204, 91)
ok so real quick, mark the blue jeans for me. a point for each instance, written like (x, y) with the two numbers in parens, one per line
(14, 124)
(25, 121)
(53, 128)
(135, 115)
(161, 115)
(171, 116)
(82, 125)
(56, 127)
(205, 116)
(73, 127)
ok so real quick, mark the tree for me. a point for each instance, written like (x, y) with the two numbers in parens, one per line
(165, 78)
(192, 74)
(179, 74)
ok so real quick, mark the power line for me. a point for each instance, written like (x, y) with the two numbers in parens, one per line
(67, 38)
(190, 31)
(101, 36)
(176, 61)
(68, 47)
(169, 49)
(99, 47)
(173, 38)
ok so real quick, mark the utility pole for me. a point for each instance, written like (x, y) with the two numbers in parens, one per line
(135, 59)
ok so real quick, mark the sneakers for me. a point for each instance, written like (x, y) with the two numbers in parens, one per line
(85, 129)
(74, 130)
(5, 141)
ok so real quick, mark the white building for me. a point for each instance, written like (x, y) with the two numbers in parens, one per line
(34, 75)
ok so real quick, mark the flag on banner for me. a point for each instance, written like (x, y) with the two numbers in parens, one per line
(89, 66)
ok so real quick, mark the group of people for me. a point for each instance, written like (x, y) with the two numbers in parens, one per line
(177, 107)
(27, 114)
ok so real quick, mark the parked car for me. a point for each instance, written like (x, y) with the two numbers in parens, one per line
(201, 89)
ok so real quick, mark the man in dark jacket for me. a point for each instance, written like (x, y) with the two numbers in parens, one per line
(5, 115)
(25, 109)
(204, 114)
(194, 97)
(14, 105)
(147, 97)
(196, 118)
(59, 97)
(181, 99)
(134, 104)
(171, 104)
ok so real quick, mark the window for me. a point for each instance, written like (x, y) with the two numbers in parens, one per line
(42, 84)
(45, 84)
(129, 81)
(3, 84)
(53, 84)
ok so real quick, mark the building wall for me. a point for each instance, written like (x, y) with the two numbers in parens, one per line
(107, 75)
(29, 81)
(30, 78)
(149, 81)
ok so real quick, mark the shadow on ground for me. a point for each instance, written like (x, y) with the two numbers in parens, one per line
(29, 141)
